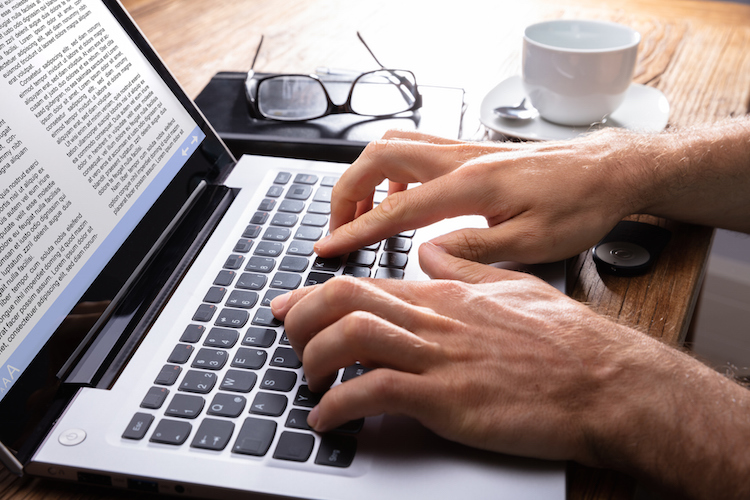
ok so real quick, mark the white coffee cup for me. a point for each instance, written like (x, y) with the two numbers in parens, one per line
(577, 72)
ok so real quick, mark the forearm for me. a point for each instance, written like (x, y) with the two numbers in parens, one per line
(699, 175)
(678, 424)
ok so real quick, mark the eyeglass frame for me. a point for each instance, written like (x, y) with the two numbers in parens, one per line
(252, 83)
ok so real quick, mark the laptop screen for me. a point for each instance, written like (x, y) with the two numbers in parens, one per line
(93, 134)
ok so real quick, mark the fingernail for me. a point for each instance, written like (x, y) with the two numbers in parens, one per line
(312, 418)
(321, 243)
(280, 302)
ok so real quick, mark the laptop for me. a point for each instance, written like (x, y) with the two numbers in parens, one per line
(138, 259)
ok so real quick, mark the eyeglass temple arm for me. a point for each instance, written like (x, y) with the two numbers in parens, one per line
(257, 52)
(402, 81)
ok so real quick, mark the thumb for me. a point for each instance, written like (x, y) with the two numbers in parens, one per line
(437, 263)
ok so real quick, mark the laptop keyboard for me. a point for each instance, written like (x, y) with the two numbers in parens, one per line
(232, 380)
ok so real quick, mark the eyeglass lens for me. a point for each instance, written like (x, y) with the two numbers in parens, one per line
(295, 97)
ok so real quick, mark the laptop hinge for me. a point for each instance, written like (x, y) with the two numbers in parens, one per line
(9, 460)
(115, 338)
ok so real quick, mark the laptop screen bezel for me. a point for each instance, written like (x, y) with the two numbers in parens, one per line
(38, 396)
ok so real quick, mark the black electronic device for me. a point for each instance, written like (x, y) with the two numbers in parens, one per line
(630, 248)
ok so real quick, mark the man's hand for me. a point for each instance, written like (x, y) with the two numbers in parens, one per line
(502, 361)
(543, 201)
(499, 360)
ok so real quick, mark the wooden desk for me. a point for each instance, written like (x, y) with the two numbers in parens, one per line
(696, 52)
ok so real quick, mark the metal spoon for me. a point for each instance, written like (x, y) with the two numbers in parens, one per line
(520, 111)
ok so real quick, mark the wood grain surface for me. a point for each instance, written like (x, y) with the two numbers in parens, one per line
(696, 52)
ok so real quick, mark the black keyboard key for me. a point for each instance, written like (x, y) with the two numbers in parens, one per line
(301, 247)
(330, 264)
(221, 337)
(293, 264)
(363, 258)
(278, 380)
(308, 233)
(407, 234)
(213, 434)
(260, 264)
(258, 218)
(155, 397)
(233, 318)
(274, 233)
(351, 427)
(298, 192)
(180, 354)
(305, 179)
(354, 371)
(294, 446)
(264, 317)
(397, 244)
(284, 220)
(394, 260)
(286, 281)
(323, 195)
(168, 375)
(357, 271)
(267, 205)
(306, 398)
(138, 426)
(171, 432)
(215, 295)
(389, 273)
(271, 294)
(251, 231)
(269, 404)
(204, 313)
(315, 220)
(259, 337)
(255, 437)
(251, 281)
(336, 451)
(292, 206)
(297, 419)
(285, 357)
(242, 299)
(315, 278)
(198, 381)
(185, 406)
(225, 278)
(238, 381)
(227, 405)
(210, 359)
(234, 261)
(282, 178)
(192, 333)
(275, 191)
(243, 245)
(250, 359)
(269, 249)
(284, 340)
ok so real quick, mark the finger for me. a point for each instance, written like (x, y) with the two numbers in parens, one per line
(323, 307)
(374, 393)
(281, 305)
(403, 162)
(523, 238)
(365, 338)
(420, 206)
(412, 135)
(437, 263)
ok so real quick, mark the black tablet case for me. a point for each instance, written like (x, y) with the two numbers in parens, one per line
(339, 138)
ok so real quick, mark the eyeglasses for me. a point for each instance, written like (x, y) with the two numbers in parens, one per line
(378, 94)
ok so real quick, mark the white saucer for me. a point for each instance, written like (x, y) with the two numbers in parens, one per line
(645, 109)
